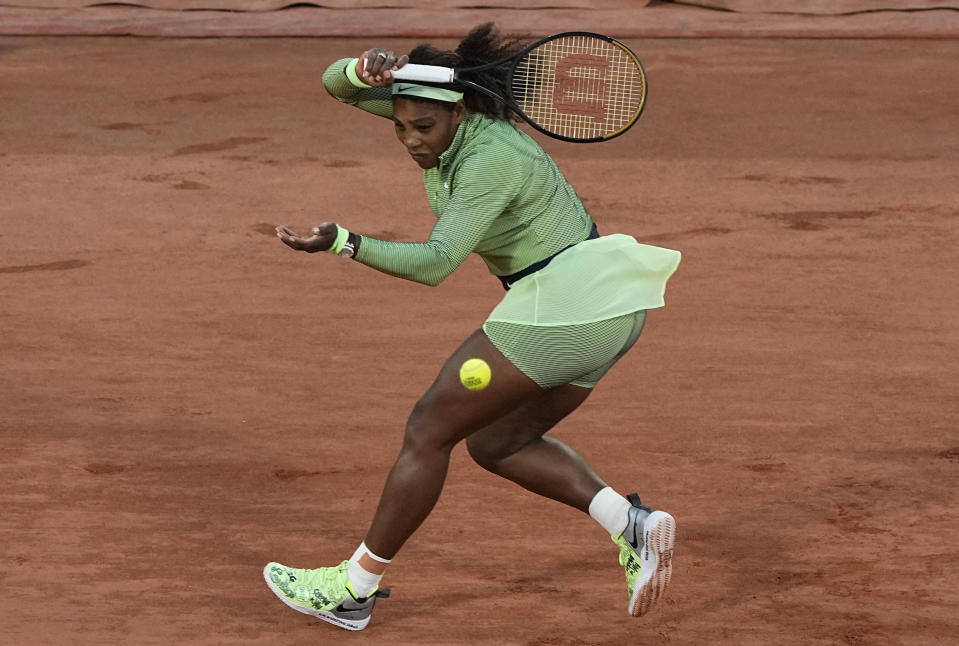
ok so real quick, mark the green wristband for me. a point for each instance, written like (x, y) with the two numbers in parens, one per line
(351, 74)
(341, 236)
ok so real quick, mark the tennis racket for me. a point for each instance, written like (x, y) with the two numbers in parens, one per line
(575, 86)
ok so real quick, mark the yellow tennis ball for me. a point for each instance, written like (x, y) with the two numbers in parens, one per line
(475, 374)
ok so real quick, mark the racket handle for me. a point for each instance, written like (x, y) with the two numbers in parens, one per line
(426, 73)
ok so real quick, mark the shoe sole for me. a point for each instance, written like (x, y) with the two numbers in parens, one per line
(659, 537)
(325, 615)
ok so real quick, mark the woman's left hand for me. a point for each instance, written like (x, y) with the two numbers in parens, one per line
(375, 66)
(322, 239)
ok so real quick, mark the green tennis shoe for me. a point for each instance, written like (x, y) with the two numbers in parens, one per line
(646, 551)
(324, 593)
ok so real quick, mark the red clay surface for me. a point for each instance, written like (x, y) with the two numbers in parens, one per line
(184, 399)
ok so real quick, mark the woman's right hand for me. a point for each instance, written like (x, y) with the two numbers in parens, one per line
(375, 67)
(322, 239)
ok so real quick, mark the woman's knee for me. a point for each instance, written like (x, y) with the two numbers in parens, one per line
(481, 454)
(425, 431)
(488, 452)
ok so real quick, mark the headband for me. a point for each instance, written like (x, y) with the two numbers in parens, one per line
(426, 92)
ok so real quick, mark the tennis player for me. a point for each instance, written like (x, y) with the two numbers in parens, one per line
(575, 303)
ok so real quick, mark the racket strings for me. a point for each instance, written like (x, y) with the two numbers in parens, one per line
(580, 87)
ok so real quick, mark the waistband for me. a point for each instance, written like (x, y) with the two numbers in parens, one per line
(536, 266)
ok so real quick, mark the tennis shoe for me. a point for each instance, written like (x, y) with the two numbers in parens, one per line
(324, 593)
(646, 551)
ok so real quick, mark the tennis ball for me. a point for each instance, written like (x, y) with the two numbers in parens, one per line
(475, 374)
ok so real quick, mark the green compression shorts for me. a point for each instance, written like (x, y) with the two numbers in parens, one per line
(578, 354)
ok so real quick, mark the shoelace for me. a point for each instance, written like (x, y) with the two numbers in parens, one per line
(329, 581)
(334, 578)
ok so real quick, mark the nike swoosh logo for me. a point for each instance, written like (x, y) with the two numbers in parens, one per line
(632, 531)
(356, 606)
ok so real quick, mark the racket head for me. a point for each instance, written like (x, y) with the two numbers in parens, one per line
(578, 86)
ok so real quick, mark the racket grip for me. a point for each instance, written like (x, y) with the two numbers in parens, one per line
(426, 73)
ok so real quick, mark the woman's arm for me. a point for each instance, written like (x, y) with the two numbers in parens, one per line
(485, 194)
(485, 189)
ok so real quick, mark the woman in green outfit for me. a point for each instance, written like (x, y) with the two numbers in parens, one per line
(575, 303)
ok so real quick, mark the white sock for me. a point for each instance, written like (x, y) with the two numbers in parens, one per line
(362, 581)
(610, 510)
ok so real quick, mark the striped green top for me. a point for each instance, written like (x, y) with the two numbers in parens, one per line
(495, 192)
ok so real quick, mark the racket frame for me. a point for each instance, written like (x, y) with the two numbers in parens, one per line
(447, 75)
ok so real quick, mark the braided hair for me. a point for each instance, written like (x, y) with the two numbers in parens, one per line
(483, 44)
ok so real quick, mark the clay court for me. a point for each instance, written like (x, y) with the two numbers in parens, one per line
(184, 399)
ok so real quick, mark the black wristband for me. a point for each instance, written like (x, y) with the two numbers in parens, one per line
(353, 240)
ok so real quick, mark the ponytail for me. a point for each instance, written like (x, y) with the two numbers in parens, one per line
(483, 44)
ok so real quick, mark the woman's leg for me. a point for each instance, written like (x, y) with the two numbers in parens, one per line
(515, 448)
(445, 415)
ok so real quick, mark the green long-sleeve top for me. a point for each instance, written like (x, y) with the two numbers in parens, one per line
(495, 192)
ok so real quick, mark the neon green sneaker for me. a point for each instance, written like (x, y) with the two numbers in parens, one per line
(324, 593)
(646, 551)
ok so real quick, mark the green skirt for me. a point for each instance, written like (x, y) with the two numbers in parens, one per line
(572, 320)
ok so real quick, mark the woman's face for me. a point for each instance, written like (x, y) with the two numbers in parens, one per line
(426, 128)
